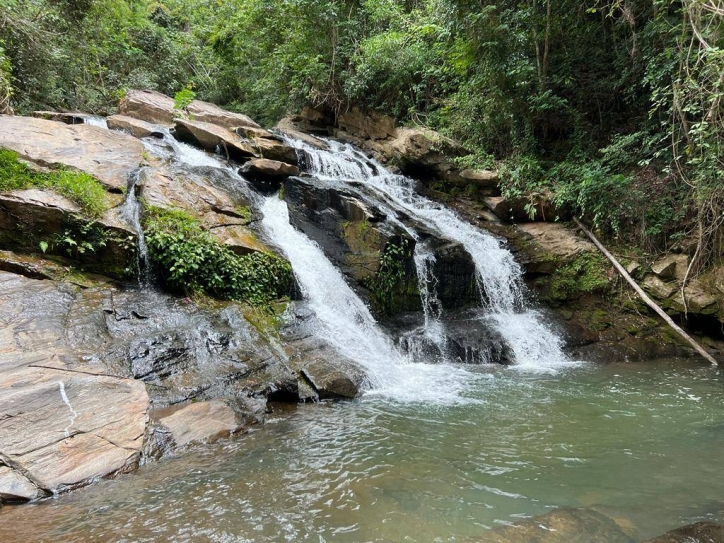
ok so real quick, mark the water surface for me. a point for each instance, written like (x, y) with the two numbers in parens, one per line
(641, 443)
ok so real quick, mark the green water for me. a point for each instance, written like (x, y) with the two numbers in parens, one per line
(640, 443)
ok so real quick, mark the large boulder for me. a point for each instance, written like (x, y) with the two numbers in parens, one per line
(213, 137)
(291, 127)
(109, 156)
(135, 127)
(62, 429)
(211, 113)
(148, 105)
(267, 175)
(367, 125)
(424, 153)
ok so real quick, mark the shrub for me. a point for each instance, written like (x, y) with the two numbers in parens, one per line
(190, 260)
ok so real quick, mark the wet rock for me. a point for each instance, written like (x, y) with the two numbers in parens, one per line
(367, 125)
(109, 156)
(457, 284)
(63, 429)
(135, 127)
(16, 488)
(700, 532)
(30, 266)
(211, 113)
(148, 105)
(213, 137)
(201, 422)
(290, 127)
(331, 374)
(32, 216)
(561, 526)
(267, 175)
(251, 133)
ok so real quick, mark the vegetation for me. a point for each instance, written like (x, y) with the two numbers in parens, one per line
(188, 259)
(387, 286)
(614, 108)
(81, 188)
(585, 275)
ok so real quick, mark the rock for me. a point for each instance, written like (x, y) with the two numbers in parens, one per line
(31, 266)
(252, 133)
(483, 178)
(211, 113)
(557, 239)
(657, 288)
(135, 127)
(210, 137)
(16, 488)
(561, 526)
(273, 150)
(267, 175)
(149, 106)
(201, 422)
(293, 130)
(422, 152)
(698, 299)
(700, 532)
(671, 266)
(457, 284)
(63, 117)
(632, 267)
(331, 374)
(203, 193)
(29, 217)
(64, 429)
(367, 125)
(109, 156)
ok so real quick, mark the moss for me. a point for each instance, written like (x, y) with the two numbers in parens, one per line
(83, 189)
(585, 275)
(189, 259)
(245, 214)
(599, 320)
(392, 286)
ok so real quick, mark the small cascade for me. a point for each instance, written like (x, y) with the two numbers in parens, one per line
(500, 279)
(131, 212)
(95, 120)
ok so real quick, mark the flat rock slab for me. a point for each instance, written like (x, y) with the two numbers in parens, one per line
(63, 429)
(211, 113)
(202, 422)
(135, 127)
(148, 105)
(557, 239)
(210, 136)
(107, 155)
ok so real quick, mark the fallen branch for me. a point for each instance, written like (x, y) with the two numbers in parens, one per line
(653, 305)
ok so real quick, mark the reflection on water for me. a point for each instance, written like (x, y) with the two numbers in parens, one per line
(639, 443)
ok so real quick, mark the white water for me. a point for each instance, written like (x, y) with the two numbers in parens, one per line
(94, 120)
(131, 212)
(535, 346)
(343, 320)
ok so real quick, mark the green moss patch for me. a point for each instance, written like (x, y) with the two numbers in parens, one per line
(81, 188)
(188, 259)
(586, 274)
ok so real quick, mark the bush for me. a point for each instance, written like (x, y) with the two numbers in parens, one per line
(190, 260)
(83, 189)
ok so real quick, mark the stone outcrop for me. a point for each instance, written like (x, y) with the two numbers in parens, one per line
(147, 105)
(109, 156)
(267, 175)
(211, 113)
(31, 217)
(212, 137)
(135, 127)
(62, 116)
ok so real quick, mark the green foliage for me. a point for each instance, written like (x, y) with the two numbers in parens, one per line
(190, 260)
(387, 282)
(79, 187)
(75, 242)
(183, 98)
(586, 274)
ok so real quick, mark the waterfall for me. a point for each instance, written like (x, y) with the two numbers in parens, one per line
(534, 344)
(94, 120)
(131, 212)
(342, 319)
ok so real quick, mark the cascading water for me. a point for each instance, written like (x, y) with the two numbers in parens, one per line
(534, 345)
(94, 120)
(131, 212)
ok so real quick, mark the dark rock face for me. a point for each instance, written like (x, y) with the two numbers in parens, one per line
(701, 532)
(267, 175)
(457, 284)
